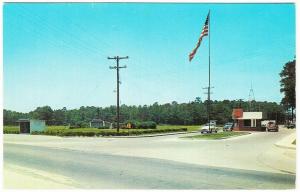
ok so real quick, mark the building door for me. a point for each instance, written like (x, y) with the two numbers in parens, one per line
(24, 127)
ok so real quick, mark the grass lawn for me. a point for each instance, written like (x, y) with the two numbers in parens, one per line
(189, 127)
(220, 135)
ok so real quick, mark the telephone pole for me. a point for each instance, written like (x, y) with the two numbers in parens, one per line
(240, 103)
(117, 58)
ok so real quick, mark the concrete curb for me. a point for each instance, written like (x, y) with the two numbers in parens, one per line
(154, 135)
(287, 142)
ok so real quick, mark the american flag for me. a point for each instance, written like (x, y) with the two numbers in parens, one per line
(203, 34)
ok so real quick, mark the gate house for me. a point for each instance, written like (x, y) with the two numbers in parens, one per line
(246, 121)
(31, 125)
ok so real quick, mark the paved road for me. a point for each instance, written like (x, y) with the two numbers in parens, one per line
(170, 162)
(91, 170)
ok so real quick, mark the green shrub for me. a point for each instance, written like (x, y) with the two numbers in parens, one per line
(104, 127)
(74, 127)
(11, 130)
(142, 125)
(90, 132)
(37, 133)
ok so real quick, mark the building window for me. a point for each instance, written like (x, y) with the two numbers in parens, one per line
(247, 123)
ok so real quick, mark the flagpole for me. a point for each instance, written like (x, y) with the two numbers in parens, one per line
(205, 32)
(209, 71)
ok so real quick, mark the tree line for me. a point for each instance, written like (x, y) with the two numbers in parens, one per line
(288, 86)
(191, 113)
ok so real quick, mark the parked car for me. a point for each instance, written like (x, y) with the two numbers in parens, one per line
(291, 126)
(265, 122)
(228, 127)
(272, 126)
(205, 128)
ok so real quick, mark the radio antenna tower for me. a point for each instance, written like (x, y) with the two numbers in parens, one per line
(251, 98)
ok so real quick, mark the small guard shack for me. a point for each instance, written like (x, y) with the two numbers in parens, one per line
(246, 121)
(31, 125)
(97, 123)
(100, 124)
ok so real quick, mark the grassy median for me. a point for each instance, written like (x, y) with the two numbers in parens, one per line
(189, 127)
(216, 136)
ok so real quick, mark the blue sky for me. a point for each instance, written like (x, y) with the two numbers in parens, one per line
(56, 54)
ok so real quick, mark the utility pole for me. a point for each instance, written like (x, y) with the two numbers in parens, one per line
(117, 58)
(240, 103)
(98, 113)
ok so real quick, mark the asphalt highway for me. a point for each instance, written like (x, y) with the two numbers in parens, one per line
(90, 170)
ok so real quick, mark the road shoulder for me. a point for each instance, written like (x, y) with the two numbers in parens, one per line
(17, 177)
(287, 141)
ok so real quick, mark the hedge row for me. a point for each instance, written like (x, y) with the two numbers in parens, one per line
(11, 131)
(142, 125)
(106, 133)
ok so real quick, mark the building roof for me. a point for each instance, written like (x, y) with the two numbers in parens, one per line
(251, 115)
(23, 120)
(28, 120)
(96, 120)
